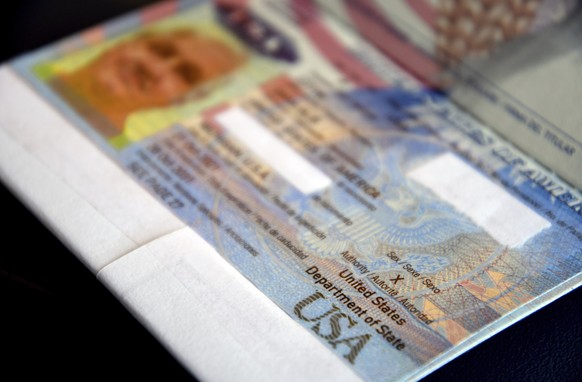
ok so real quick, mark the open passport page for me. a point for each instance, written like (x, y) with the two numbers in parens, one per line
(305, 189)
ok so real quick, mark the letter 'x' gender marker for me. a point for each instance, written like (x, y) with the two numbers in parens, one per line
(396, 279)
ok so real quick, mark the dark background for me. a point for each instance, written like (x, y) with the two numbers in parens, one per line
(57, 321)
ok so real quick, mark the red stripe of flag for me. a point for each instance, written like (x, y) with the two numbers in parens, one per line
(377, 29)
(425, 11)
(306, 13)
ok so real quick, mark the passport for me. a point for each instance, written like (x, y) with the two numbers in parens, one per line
(376, 213)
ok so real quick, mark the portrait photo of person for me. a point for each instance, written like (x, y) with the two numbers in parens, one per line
(153, 69)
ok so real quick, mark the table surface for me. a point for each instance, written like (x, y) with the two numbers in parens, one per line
(57, 320)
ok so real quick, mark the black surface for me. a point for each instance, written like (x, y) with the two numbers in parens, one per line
(57, 321)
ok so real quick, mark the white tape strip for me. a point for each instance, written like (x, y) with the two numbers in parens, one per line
(505, 218)
(282, 158)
